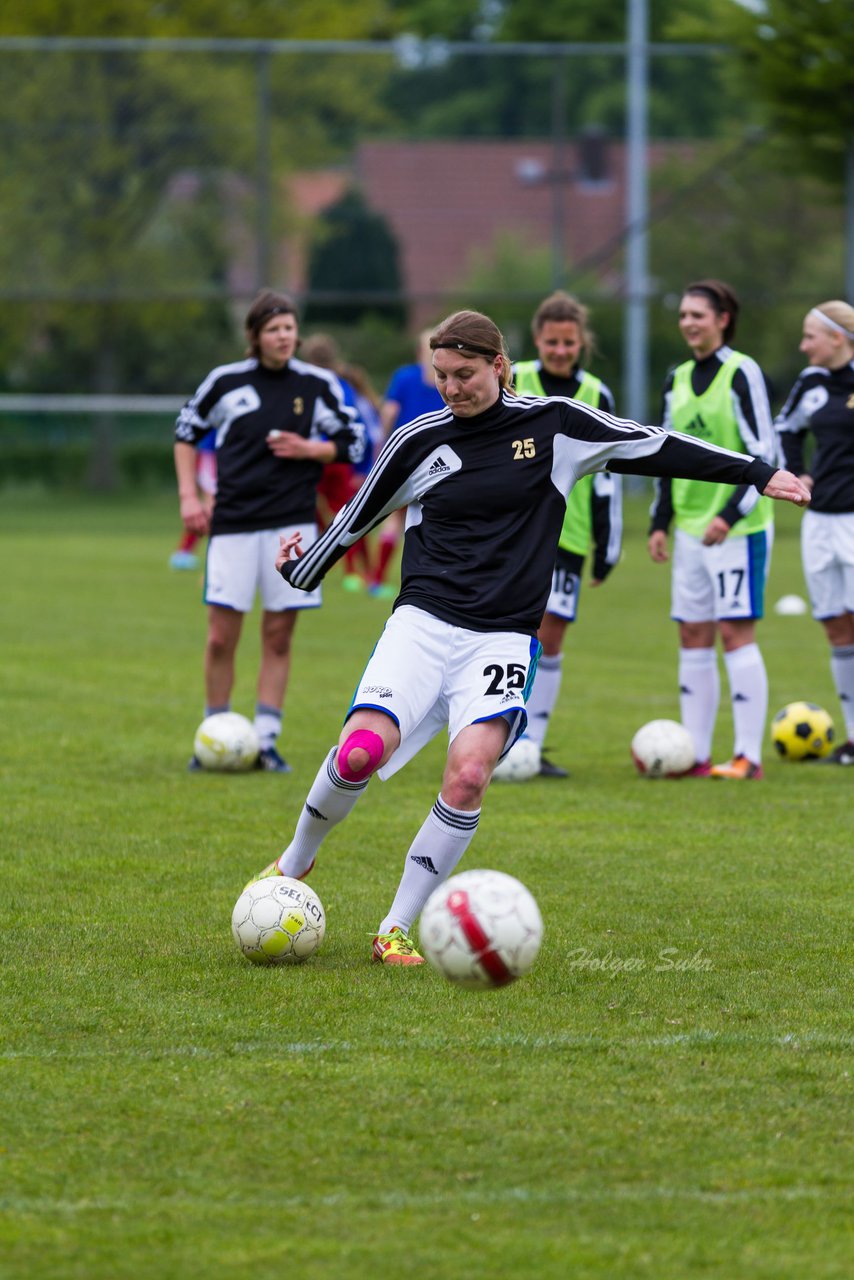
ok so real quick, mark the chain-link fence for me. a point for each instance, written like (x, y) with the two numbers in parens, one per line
(150, 187)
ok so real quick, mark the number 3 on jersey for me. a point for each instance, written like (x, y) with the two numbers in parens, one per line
(501, 679)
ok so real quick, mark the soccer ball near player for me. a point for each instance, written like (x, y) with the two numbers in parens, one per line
(278, 920)
(663, 749)
(521, 763)
(481, 929)
(226, 743)
(802, 731)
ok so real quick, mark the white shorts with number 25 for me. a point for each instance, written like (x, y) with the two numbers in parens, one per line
(712, 584)
(427, 674)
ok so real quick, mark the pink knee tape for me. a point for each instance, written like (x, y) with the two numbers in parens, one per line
(363, 740)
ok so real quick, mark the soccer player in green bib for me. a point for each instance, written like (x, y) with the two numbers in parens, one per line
(724, 533)
(594, 517)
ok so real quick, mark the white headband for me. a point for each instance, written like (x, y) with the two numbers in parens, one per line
(831, 324)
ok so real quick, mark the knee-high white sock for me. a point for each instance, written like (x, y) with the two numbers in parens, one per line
(543, 697)
(699, 696)
(432, 856)
(329, 801)
(748, 686)
(842, 670)
(268, 724)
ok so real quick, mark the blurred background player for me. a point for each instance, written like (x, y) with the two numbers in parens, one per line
(411, 392)
(562, 336)
(724, 534)
(340, 480)
(822, 402)
(278, 420)
(184, 557)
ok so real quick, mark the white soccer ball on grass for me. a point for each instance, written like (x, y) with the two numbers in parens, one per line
(226, 743)
(278, 920)
(663, 749)
(481, 929)
(521, 763)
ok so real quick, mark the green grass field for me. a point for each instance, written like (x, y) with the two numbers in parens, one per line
(170, 1110)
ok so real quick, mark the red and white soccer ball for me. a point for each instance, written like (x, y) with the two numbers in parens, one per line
(663, 749)
(481, 929)
(278, 920)
(226, 743)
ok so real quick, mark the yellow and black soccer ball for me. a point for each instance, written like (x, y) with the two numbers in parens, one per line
(802, 731)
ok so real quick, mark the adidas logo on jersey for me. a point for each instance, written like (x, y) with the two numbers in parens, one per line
(426, 863)
(438, 468)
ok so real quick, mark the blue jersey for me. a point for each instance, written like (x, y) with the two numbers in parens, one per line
(415, 396)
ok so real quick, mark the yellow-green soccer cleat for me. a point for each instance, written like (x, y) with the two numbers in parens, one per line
(273, 870)
(395, 947)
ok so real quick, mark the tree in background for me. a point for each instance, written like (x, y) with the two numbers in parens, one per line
(355, 253)
(796, 61)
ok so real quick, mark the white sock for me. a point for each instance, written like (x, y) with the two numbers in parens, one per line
(842, 670)
(748, 686)
(543, 696)
(329, 802)
(699, 696)
(432, 856)
(268, 724)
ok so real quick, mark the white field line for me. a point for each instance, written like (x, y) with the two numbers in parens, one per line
(453, 1198)
(501, 1040)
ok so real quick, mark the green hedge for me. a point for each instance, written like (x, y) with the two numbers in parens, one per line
(135, 465)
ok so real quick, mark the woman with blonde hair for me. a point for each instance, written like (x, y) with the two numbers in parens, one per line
(822, 402)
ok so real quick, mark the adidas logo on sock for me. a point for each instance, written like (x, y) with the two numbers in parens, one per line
(740, 697)
(315, 813)
(438, 468)
(426, 863)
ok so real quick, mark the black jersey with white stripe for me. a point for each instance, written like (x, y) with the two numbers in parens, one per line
(822, 401)
(486, 498)
(243, 402)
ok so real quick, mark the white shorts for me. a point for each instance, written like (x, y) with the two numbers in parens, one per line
(726, 581)
(427, 674)
(827, 551)
(240, 564)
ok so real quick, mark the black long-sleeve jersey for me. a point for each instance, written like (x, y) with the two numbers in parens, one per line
(750, 405)
(606, 504)
(822, 401)
(487, 497)
(244, 401)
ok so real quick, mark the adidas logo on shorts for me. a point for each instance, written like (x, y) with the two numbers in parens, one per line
(438, 468)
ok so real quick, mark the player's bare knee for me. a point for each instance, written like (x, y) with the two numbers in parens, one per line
(465, 784)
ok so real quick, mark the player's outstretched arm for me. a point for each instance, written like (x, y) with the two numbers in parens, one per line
(787, 487)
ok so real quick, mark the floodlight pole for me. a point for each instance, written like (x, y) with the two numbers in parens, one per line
(636, 339)
(263, 171)
(849, 221)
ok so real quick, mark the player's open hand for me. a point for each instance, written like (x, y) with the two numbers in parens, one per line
(291, 543)
(787, 487)
(657, 546)
(195, 517)
(716, 532)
